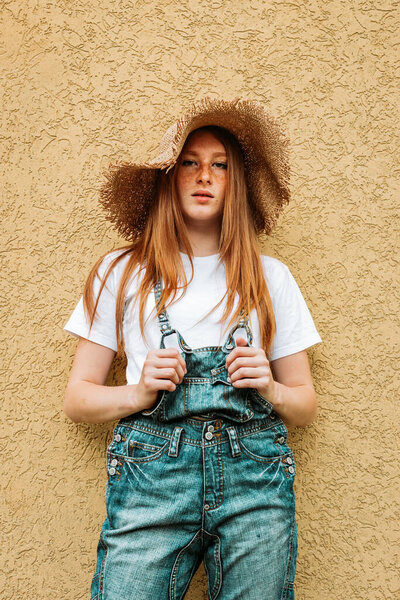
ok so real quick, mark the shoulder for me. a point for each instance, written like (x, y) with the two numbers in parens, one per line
(276, 273)
(108, 259)
(112, 273)
(273, 263)
(110, 256)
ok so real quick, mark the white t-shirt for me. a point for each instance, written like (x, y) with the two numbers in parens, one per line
(295, 329)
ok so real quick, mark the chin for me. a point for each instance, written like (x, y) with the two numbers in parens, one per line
(192, 218)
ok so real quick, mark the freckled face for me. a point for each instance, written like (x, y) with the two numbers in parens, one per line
(201, 178)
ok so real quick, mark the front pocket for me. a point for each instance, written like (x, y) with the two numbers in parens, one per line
(142, 446)
(141, 450)
(261, 446)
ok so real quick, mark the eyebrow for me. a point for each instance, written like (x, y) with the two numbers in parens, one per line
(195, 153)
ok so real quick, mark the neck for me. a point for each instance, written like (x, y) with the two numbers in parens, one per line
(203, 241)
(202, 247)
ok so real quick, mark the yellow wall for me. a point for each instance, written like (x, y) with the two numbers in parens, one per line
(86, 82)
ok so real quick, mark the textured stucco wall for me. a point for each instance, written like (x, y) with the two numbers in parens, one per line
(87, 82)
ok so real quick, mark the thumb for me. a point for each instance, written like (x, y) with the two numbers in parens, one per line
(240, 341)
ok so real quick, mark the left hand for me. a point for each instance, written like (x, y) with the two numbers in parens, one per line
(248, 367)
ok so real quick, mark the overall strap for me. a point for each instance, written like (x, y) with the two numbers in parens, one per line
(242, 323)
(163, 321)
(163, 318)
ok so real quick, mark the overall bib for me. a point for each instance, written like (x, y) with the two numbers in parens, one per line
(205, 474)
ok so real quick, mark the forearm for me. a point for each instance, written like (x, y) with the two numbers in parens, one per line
(87, 402)
(295, 405)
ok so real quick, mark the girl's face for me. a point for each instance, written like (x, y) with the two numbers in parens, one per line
(201, 178)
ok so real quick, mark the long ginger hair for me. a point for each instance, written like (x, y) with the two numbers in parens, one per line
(165, 228)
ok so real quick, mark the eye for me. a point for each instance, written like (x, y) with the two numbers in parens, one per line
(187, 162)
(221, 165)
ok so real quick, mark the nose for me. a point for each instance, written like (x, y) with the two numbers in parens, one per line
(204, 173)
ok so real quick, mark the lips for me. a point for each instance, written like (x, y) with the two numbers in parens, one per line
(203, 193)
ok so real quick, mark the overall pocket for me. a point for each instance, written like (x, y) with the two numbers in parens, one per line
(233, 402)
(143, 446)
(268, 445)
(135, 445)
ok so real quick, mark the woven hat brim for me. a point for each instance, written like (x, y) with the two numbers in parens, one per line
(129, 188)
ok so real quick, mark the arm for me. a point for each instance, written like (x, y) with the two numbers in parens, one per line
(88, 400)
(295, 399)
(285, 382)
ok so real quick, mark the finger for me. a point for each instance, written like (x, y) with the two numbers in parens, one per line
(255, 360)
(164, 363)
(166, 373)
(165, 384)
(171, 352)
(249, 383)
(248, 372)
(170, 362)
(241, 351)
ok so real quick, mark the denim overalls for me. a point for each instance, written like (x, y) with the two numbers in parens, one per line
(205, 474)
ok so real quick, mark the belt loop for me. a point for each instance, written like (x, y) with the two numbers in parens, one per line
(234, 441)
(173, 446)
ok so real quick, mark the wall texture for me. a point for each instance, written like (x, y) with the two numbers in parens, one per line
(84, 83)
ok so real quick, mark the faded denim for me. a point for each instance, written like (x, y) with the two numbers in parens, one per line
(207, 474)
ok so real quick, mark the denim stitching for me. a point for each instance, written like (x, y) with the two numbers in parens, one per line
(186, 396)
(217, 561)
(143, 445)
(288, 584)
(242, 431)
(174, 443)
(262, 459)
(172, 584)
(233, 439)
(221, 489)
(218, 578)
(225, 395)
(155, 456)
(102, 567)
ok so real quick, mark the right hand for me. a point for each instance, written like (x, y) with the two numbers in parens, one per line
(163, 369)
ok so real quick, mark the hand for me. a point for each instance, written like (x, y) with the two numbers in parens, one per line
(163, 369)
(248, 367)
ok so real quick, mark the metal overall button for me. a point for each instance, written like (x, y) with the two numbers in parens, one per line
(209, 435)
(291, 469)
(210, 428)
(112, 471)
(281, 440)
(118, 437)
(289, 460)
(114, 462)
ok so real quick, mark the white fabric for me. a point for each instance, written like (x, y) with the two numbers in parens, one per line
(295, 329)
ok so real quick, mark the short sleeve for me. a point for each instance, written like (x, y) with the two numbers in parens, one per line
(295, 328)
(103, 328)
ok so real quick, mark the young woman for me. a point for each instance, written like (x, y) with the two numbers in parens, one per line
(215, 335)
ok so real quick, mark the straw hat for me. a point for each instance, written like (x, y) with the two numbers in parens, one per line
(129, 188)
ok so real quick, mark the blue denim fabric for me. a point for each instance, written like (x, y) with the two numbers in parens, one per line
(207, 474)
